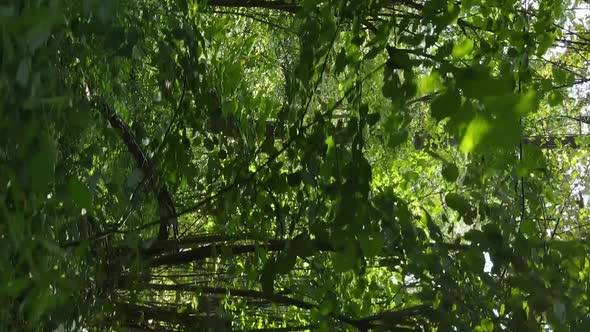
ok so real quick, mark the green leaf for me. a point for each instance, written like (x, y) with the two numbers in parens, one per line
(294, 179)
(429, 84)
(398, 59)
(397, 138)
(558, 74)
(372, 245)
(340, 61)
(433, 7)
(461, 205)
(79, 194)
(303, 246)
(43, 302)
(475, 236)
(392, 85)
(476, 131)
(14, 288)
(326, 307)
(345, 259)
(445, 105)
(42, 165)
(450, 172)
(329, 144)
(493, 235)
(209, 144)
(373, 118)
(526, 103)
(533, 160)
(457, 202)
(486, 325)
(462, 48)
(286, 262)
(478, 83)
(539, 301)
(563, 77)
(555, 98)
(473, 259)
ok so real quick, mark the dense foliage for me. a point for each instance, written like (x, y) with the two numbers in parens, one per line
(284, 165)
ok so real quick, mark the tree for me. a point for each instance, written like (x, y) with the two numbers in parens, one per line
(247, 165)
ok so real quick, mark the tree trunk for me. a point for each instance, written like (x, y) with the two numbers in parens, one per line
(167, 212)
(216, 249)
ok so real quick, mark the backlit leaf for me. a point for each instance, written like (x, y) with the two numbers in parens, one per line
(476, 131)
(462, 48)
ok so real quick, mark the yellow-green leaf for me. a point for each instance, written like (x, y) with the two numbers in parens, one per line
(462, 48)
(477, 129)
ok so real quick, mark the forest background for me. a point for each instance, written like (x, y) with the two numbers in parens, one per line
(286, 165)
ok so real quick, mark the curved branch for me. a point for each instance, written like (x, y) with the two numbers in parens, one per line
(166, 208)
(216, 249)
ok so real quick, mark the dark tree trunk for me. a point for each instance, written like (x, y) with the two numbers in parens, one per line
(167, 212)
(216, 249)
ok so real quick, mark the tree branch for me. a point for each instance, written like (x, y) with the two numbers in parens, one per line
(166, 208)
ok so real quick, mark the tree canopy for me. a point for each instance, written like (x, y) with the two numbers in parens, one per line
(294, 165)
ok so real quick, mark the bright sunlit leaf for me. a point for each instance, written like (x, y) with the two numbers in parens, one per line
(476, 131)
(462, 48)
